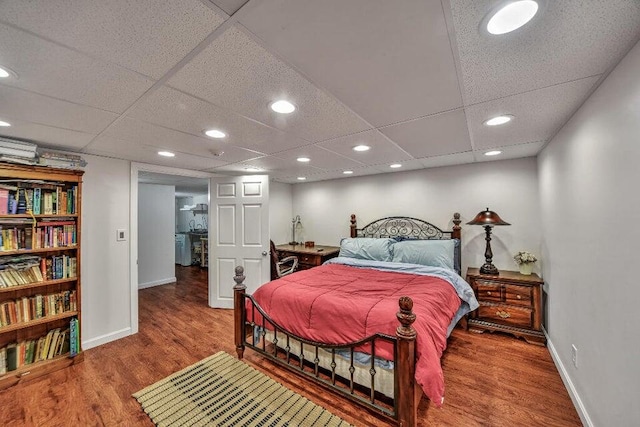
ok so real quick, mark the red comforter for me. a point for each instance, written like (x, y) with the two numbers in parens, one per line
(337, 304)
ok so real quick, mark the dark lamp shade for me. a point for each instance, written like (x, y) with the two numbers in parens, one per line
(487, 218)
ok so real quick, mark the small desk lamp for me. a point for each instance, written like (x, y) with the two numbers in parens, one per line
(488, 219)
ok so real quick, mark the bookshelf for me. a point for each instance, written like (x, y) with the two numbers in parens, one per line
(40, 313)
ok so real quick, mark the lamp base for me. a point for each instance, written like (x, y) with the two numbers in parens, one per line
(489, 269)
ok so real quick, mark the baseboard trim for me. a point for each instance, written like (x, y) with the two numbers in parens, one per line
(103, 339)
(157, 283)
(573, 393)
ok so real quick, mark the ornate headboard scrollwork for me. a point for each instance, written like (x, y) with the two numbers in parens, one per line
(408, 228)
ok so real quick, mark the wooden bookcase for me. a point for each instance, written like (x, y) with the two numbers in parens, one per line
(41, 296)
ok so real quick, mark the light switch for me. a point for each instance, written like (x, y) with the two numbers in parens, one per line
(121, 235)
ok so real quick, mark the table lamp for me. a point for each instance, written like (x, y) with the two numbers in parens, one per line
(488, 219)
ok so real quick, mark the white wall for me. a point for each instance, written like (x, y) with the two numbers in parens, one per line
(280, 212)
(156, 235)
(105, 261)
(589, 178)
(508, 187)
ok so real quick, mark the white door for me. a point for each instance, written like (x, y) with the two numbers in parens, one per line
(240, 235)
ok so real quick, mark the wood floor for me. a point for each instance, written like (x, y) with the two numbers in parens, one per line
(491, 380)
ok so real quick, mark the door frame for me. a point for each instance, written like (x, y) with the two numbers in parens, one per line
(133, 221)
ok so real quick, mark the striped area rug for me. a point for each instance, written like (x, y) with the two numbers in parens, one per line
(223, 391)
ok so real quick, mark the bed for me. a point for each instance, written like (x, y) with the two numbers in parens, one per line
(370, 324)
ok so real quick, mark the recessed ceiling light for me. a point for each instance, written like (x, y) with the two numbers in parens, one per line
(395, 166)
(302, 178)
(303, 159)
(499, 120)
(283, 107)
(347, 172)
(510, 17)
(4, 124)
(215, 133)
(361, 148)
(7, 72)
(166, 153)
(493, 153)
(252, 169)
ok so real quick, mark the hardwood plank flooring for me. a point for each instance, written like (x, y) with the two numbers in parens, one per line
(491, 379)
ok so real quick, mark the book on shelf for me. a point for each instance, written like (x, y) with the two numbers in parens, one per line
(12, 357)
(3, 360)
(4, 201)
(74, 337)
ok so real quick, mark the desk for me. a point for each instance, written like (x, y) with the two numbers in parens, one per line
(308, 257)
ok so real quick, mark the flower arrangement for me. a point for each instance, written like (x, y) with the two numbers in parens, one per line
(524, 257)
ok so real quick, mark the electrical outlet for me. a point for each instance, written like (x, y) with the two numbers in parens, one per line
(121, 235)
(574, 355)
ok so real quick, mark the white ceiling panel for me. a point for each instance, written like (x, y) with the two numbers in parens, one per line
(234, 72)
(382, 149)
(229, 6)
(538, 115)
(319, 158)
(47, 135)
(512, 151)
(171, 108)
(56, 71)
(406, 166)
(145, 153)
(142, 35)
(448, 160)
(436, 135)
(140, 132)
(20, 104)
(569, 40)
(273, 164)
(387, 61)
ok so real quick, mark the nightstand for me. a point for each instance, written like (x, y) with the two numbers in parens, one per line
(510, 302)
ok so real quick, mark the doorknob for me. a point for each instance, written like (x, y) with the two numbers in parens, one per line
(264, 253)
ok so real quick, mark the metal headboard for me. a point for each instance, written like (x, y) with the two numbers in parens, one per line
(403, 227)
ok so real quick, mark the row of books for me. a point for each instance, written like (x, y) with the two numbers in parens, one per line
(51, 268)
(48, 234)
(55, 343)
(55, 200)
(26, 309)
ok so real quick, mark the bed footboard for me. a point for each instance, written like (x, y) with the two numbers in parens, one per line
(401, 408)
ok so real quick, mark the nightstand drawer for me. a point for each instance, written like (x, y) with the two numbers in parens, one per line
(309, 259)
(505, 315)
(488, 291)
(518, 295)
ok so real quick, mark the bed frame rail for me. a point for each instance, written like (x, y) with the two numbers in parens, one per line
(402, 409)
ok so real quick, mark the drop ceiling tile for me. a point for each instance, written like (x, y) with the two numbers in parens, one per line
(512, 152)
(538, 114)
(382, 149)
(171, 108)
(448, 160)
(47, 68)
(406, 166)
(274, 165)
(229, 6)
(139, 132)
(236, 73)
(320, 158)
(140, 35)
(146, 153)
(570, 39)
(436, 135)
(387, 63)
(48, 136)
(323, 176)
(36, 108)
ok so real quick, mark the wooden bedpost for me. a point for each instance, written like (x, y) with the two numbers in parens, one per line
(354, 226)
(408, 393)
(238, 310)
(456, 226)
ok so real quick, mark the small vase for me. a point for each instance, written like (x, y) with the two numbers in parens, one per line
(526, 268)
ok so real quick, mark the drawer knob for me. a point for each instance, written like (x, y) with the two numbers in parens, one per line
(489, 293)
(503, 314)
(518, 296)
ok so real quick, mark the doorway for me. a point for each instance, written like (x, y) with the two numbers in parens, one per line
(157, 197)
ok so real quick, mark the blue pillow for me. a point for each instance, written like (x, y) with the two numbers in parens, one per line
(367, 248)
(432, 253)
